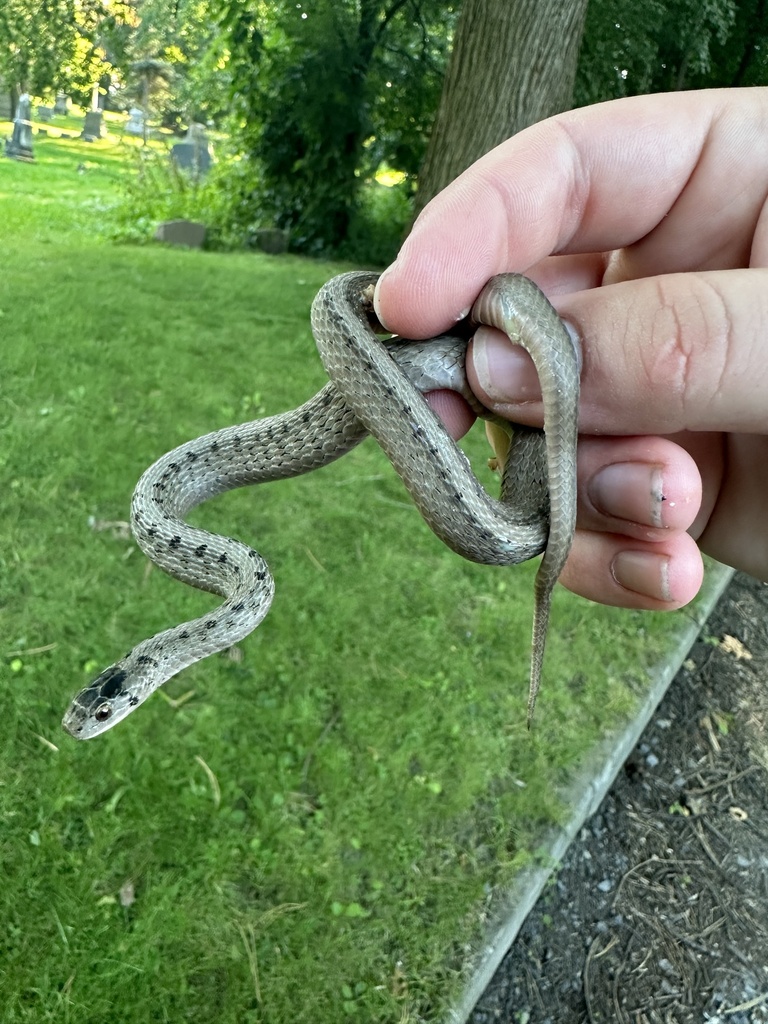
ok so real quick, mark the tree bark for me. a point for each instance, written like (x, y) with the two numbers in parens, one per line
(513, 63)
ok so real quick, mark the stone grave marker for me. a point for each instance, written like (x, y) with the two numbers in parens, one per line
(61, 106)
(181, 232)
(6, 110)
(92, 127)
(194, 153)
(19, 146)
(135, 125)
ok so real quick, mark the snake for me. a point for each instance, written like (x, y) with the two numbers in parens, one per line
(376, 387)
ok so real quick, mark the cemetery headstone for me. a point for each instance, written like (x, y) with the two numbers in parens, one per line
(135, 125)
(44, 113)
(181, 232)
(6, 108)
(61, 106)
(193, 155)
(92, 127)
(19, 146)
(271, 240)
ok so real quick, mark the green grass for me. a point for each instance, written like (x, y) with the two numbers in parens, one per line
(310, 830)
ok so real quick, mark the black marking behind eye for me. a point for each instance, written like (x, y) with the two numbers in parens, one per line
(111, 682)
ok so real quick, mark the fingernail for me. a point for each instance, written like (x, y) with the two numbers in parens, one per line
(620, 490)
(643, 573)
(376, 306)
(504, 371)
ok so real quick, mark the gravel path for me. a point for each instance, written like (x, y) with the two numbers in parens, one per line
(659, 913)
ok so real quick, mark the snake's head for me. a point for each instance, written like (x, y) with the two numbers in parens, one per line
(100, 705)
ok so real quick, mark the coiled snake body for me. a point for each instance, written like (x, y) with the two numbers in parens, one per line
(371, 391)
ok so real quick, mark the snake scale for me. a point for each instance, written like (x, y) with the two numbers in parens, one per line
(370, 391)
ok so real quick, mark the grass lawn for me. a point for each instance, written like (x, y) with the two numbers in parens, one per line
(308, 831)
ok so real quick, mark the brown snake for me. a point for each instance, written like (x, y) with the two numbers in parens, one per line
(370, 392)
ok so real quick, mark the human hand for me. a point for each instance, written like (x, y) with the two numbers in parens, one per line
(645, 221)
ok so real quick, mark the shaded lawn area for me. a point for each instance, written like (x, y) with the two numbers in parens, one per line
(307, 829)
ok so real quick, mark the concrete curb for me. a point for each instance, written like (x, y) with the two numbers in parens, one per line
(583, 798)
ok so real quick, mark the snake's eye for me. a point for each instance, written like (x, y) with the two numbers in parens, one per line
(103, 712)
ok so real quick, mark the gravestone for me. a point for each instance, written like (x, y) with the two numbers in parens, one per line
(61, 106)
(193, 155)
(19, 146)
(44, 113)
(181, 232)
(135, 125)
(271, 240)
(6, 109)
(92, 127)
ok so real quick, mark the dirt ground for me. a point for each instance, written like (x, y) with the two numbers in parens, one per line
(659, 914)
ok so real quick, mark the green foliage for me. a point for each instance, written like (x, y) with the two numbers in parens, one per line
(320, 100)
(165, 59)
(664, 45)
(49, 44)
(378, 224)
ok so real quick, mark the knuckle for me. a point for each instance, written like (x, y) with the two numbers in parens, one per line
(691, 340)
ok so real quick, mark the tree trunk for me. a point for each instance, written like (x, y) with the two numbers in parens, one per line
(513, 63)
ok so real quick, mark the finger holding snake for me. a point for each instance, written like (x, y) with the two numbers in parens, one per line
(645, 221)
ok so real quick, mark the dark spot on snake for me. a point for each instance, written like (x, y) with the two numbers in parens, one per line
(222, 558)
(174, 542)
(184, 635)
(261, 576)
(133, 701)
(214, 447)
(151, 531)
(252, 553)
(110, 682)
(238, 607)
(200, 551)
(144, 659)
(191, 456)
(210, 624)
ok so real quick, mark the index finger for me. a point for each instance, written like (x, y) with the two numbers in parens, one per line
(589, 180)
